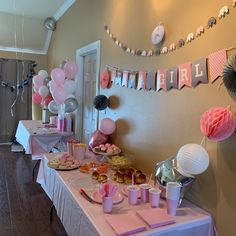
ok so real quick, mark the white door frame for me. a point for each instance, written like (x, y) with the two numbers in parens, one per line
(80, 54)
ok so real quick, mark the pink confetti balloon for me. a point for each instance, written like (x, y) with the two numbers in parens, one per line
(218, 123)
(70, 68)
(107, 126)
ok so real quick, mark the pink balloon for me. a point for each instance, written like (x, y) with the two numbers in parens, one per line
(218, 123)
(36, 88)
(36, 98)
(47, 100)
(107, 126)
(58, 75)
(97, 138)
(59, 95)
(70, 69)
(52, 86)
(38, 80)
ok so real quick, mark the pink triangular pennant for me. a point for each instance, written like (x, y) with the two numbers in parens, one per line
(185, 75)
(161, 79)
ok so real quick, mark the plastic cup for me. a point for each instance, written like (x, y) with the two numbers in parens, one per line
(173, 190)
(154, 197)
(107, 203)
(133, 194)
(172, 206)
(144, 192)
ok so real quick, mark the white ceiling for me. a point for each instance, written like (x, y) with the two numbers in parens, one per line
(22, 24)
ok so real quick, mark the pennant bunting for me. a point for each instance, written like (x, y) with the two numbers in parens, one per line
(161, 79)
(185, 75)
(151, 80)
(113, 75)
(125, 78)
(118, 77)
(142, 80)
(199, 72)
(216, 63)
(172, 78)
(132, 80)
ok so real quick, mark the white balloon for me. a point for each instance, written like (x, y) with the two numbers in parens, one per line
(43, 73)
(53, 107)
(70, 86)
(192, 159)
(43, 91)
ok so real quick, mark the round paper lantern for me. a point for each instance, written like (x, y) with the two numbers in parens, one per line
(229, 74)
(107, 126)
(100, 102)
(192, 159)
(217, 123)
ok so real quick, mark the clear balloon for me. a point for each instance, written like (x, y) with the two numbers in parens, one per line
(71, 104)
(46, 81)
(38, 80)
(53, 107)
(107, 126)
(98, 138)
(70, 68)
(58, 75)
(36, 98)
(43, 91)
(43, 73)
(59, 95)
(70, 86)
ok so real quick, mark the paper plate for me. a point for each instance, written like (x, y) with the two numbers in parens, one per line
(96, 196)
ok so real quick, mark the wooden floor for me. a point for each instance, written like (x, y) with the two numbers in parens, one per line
(24, 207)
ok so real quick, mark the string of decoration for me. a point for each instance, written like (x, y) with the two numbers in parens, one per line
(188, 74)
(174, 45)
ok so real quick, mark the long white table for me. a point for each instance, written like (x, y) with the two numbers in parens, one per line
(81, 217)
(38, 140)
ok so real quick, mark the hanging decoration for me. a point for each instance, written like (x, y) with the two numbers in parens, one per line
(218, 123)
(189, 74)
(23, 83)
(158, 36)
(229, 74)
(100, 102)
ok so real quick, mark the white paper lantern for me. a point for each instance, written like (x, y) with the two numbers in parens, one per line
(193, 159)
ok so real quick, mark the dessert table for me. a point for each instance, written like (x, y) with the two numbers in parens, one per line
(38, 140)
(81, 217)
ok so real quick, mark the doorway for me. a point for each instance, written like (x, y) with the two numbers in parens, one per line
(88, 61)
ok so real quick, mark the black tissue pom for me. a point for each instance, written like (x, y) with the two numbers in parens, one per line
(100, 102)
(229, 74)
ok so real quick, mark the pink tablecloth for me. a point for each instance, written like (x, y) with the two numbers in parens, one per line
(38, 140)
(80, 217)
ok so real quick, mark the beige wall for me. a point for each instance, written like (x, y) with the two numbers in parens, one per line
(41, 61)
(154, 125)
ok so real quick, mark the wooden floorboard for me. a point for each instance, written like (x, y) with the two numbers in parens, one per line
(24, 206)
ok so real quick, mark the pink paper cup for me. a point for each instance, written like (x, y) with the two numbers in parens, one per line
(154, 197)
(173, 190)
(172, 206)
(144, 192)
(107, 203)
(133, 194)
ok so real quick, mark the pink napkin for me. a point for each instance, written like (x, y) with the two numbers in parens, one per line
(125, 224)
(155, 217)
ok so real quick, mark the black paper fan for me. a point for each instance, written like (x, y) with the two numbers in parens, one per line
(100, 102)
(229, 74)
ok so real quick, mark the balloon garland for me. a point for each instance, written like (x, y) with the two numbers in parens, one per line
(174, 45)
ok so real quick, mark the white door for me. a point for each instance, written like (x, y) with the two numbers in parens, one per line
(89, 92)
(86, 117)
